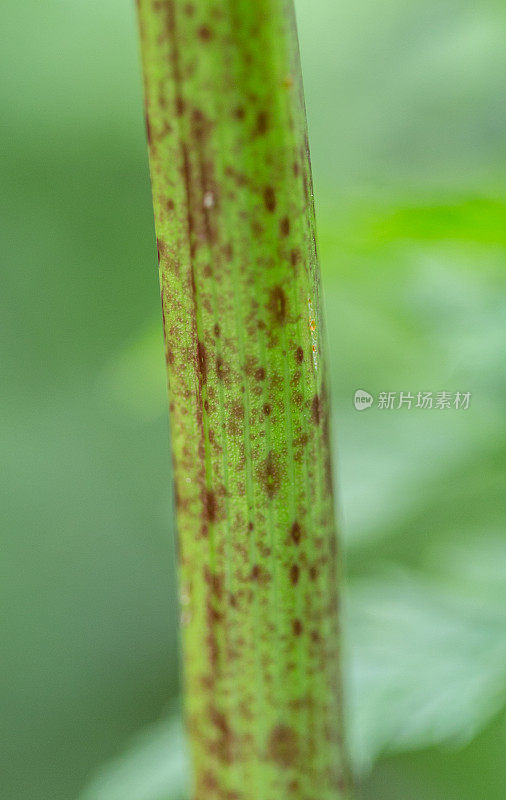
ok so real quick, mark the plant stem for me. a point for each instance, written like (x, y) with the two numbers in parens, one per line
(249, 413)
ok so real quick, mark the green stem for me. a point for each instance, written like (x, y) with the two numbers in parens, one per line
(239, 279)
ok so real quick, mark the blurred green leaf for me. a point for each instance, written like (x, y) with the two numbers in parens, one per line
(428, 659)
(154, 767)
(133, 381)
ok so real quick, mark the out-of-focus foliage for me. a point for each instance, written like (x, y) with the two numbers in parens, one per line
(428, 658)
(155, 767)
(407, 118)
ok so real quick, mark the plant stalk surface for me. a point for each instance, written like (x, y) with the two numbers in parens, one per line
(249, 411)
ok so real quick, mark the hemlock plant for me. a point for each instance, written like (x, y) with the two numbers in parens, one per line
(249, 414)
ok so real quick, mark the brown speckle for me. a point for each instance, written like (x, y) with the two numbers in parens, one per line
(306, 187)
(284, 226)
(222, 746)
(269, 198)
(267, 408)
(210, 782)
(215, 583)
(202, 361)
(222, 370)
(236, 416)
(277, 305)
(201, 127)
(204, 33)
(210, 506)
(297, 627)
(299, 355)
(283, 746)
(262, 123)
(217, 330)
(294, 380)
(260, 374)
(295, 532)
(294, 574)
(219, 368)
(316, 410)
(270, 475)
(295, 257)
(257, 228)
(148, 130)
(260, 575)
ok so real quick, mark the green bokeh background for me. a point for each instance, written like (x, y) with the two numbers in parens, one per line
(407, 117)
